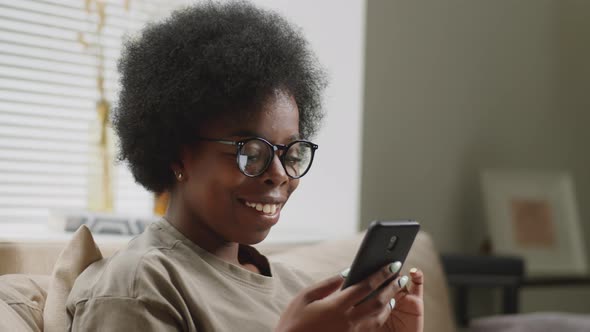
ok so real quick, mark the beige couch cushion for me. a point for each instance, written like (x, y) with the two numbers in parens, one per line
(331, 257)
(10, 320)
(78, 254)
(29, 257)
(21, 303)
(39, 256)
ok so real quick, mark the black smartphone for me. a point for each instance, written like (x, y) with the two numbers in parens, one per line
(385, 242)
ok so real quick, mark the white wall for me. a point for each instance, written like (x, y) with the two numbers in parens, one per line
(327, 203)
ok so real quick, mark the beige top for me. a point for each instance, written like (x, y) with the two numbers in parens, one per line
(164, 282)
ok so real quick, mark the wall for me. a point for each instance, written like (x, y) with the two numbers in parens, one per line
(456, 86)
(459, 85)
(573, 83)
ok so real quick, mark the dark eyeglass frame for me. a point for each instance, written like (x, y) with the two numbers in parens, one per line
(275, 147)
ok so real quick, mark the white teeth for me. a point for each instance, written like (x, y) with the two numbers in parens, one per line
(264, 208)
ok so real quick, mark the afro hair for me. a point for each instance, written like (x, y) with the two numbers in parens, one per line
(202, 61)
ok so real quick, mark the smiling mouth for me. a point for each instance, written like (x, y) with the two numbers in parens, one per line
(268, 209)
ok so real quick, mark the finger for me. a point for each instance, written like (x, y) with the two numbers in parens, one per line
(375, 305)
(369, 311)
(357, 292)
(417, 280)
(323, 289)
(386, 312)
(382, 317)
(402, 283)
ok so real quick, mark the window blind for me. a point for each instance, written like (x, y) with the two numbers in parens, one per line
(48, 95)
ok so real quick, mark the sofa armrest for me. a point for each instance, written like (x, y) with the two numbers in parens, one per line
(330, 257)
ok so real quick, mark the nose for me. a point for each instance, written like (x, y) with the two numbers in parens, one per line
(275, 174)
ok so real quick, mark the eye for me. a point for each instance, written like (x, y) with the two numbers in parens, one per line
(252, 150)
(292, 160)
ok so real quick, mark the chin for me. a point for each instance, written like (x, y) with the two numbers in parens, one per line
(253, 238)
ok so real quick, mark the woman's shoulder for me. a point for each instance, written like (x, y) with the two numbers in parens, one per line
(142, 262)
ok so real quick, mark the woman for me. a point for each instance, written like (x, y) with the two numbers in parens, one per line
(216, 107)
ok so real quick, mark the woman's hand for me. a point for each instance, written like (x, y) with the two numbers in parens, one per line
(322, 307)
(407, 314)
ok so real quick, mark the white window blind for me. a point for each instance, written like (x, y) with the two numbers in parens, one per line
(48, 95)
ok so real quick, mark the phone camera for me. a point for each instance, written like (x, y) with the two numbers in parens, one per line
(392, 243)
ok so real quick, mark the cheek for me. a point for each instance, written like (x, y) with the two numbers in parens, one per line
(293, 184)
(212, 182)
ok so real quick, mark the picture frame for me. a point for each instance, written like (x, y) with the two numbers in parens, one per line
(533, 214)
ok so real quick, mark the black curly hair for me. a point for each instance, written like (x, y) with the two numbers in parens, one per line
(203, 61)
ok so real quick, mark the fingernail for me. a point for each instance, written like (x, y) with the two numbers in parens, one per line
(394, 267)
(402, 281)
(413, 270)
(344, 274)
(392, 303)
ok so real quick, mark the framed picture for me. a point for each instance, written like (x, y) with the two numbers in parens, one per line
(534, 215)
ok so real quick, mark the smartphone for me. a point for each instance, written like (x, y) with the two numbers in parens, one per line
(385, 242)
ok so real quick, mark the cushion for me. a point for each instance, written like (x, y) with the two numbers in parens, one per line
(10, 320)
(328, 258)
(535, 322)
(21, 303)
(29, 257)
(39, 256)
(78, 254)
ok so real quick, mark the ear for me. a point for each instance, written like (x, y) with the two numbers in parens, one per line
(178, 167)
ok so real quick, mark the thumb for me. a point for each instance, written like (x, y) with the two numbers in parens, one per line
(323, 288)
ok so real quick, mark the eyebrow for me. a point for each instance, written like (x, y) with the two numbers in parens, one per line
(249, 133)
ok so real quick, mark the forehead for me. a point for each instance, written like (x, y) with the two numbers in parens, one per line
(275, 119)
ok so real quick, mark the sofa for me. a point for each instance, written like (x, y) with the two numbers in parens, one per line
(36, 277)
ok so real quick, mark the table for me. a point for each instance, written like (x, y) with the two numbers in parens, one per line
(506, 272)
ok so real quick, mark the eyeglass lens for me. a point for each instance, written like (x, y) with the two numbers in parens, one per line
(255, 156)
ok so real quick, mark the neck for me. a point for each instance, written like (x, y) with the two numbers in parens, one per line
(199, 232)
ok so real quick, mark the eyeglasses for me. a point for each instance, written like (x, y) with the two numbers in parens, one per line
(255, 154)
